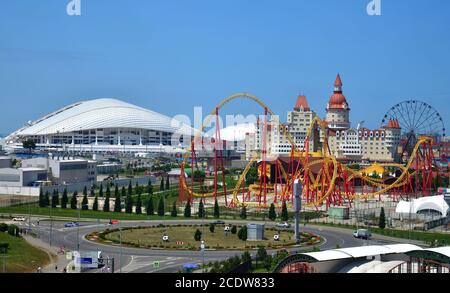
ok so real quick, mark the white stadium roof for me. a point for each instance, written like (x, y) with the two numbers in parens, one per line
(237, 132)
(102, 113)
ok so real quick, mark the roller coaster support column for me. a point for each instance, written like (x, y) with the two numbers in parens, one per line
(298, 206)
(192, 171)
(219, 153)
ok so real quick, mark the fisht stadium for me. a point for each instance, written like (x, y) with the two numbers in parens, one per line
(104, 125)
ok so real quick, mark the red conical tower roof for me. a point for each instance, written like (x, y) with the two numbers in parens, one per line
(338, 82)
(302, 103)
(337, 100)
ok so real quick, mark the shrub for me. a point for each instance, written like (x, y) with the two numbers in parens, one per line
(4, 247)
(242, 234)
(13, 230)
(3, 227)
(197, 235)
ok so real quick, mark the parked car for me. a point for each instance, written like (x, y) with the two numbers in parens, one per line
(283, 225)
(71, 224)
(362, 233)
(218, 222)
(19, 219)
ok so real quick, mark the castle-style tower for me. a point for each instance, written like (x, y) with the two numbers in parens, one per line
(338, 111)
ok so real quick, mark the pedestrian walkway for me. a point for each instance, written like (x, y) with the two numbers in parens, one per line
(58, 259)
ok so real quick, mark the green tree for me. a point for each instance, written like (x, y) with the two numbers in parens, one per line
(41, 199)
(187, 209)
(46, 199)
(201, 209)
(267, 263)
(74, 201)
(246, 257)
(167, 183)
(92, 192)
(150, 208)
(242, 233)
(174, 212)
(123, 192)
(130, 189)
(117, 201)
(84, 203)
(149, 187)
(137, 188)
(161, 210)
(233, 229)
(106, 207)
(108, 191)
(284, 212)
(55, 198)
(252, 176)
(161, 186)
(243, 214)
(13, 230)
(261, 255)
(139, 204)
(100, 191)
(85, 191)
(382, 221)
(272, 212)
(216, 209)
(64, 199)
(198, 235)
(212, 228)
(29, 144)
(3, 227)
(116, 190)
(95, 204)
(128, 204)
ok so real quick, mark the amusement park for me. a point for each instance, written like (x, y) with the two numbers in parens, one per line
(407, 165)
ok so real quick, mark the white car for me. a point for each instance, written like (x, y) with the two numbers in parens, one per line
(284, 225)
(19, 219)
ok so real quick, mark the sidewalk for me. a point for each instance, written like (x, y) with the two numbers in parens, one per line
(56, 259)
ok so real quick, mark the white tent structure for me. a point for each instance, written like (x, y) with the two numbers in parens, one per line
(434, 203)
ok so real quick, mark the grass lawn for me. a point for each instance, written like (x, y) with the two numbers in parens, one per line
(152, 238)
(21, 256)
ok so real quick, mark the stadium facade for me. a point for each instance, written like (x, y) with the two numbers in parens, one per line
(104, 125)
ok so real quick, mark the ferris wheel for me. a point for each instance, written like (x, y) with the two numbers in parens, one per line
(416, 118)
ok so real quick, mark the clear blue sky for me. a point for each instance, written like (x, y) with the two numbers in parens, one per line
(170, 56)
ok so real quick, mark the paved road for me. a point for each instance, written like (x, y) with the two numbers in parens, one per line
(136, 260)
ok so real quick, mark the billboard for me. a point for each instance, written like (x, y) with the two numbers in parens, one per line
(85, 259)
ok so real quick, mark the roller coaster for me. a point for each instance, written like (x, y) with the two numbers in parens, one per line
(326, 181)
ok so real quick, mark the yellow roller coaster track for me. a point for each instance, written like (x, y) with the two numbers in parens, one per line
(327, 160)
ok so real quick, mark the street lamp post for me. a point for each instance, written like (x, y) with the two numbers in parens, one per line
(202, 246)
(51, 221)
(78, 227)
(120, 236)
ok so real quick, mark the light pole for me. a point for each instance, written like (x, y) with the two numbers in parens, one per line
(78, 227)
(51, 220)
(29, 215)
(298, 204)
(202, 245)
(120, 236)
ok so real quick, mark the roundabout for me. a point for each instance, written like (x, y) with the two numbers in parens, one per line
(182, 237)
